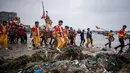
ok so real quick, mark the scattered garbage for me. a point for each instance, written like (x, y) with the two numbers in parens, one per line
(38, 71)
(71, 54)
(72, 60)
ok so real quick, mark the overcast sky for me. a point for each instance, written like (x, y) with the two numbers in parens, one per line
(108, 14)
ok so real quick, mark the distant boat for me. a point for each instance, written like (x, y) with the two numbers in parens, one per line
(104, 33)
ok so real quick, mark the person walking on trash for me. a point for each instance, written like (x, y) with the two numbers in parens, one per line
(89, 38)
(36, 34)
(66, 35)
(82, 38)
(110, 38)
(4, 35)
(59, 35)
(122, 37)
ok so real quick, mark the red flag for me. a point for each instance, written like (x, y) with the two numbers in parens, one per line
(43, 15)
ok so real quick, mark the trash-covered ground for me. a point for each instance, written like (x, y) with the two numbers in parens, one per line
(71, 60)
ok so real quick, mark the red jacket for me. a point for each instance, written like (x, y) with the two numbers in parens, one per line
(59, 30)
(36, 30)
(66, 33)
(43, 30)
(121, 33)
(21, 31)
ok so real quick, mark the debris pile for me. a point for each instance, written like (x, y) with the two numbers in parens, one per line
(72, 60)
(71, 54)
(43, 56)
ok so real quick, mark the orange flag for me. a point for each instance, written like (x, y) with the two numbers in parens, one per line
(98, 27)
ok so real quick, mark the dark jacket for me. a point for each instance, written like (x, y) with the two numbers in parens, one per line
(82, 35)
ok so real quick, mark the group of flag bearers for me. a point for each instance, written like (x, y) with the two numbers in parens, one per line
(4, 31)
(61, 35)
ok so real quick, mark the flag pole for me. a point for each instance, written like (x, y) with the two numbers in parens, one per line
(101, 28)
(44, 19)
(42, 6)
(43, 10)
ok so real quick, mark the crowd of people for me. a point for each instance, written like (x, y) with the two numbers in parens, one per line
(58, 37)
(67, 36)
(12, 32)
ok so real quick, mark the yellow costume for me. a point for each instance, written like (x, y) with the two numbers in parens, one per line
(36, 35)
(4, 36)
(59, 36)
(88, 40)
(66, 39)
(110, 35)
